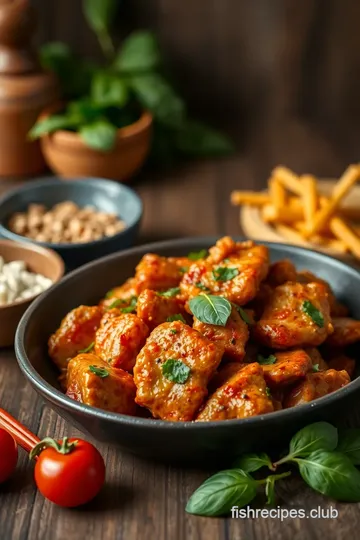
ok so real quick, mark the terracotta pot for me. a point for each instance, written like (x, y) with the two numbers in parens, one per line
(68, 156)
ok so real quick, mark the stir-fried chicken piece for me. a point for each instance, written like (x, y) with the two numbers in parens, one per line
(297, 315)
(336, 308)
(120, 296)
(233, 270)
(281, 272)
(223, 374)
(232, 337)
(244, 394)
(119, 340)
(343, 363)
(155, 309)
(315, 386)
(92, 381)
(173, 369)
(157, 273)
(346, 332)
(318, 363)
(76, 333)
(288, 367)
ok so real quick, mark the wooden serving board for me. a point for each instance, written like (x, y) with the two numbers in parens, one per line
(256, 229)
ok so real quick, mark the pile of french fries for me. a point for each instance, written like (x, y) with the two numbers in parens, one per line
(294, 206)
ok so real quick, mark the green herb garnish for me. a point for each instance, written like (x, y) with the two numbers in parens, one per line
(268, 391)
(89, 348)
(109, 294)
(131, 307)
(183, 269)
(173, 330)
(315, 368)
(175, 371)
(223, 273)
(199, 285)
(170, 292)
(196, 255)
(245, 317)
(266, 361)
(99, 371)
(177, 317)
(116, 303)
(314, 313)
(211, 309)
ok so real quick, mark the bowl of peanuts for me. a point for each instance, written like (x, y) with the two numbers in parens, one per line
(81, 219)
(26, 271)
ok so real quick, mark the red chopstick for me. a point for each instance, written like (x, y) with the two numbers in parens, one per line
(21, 434)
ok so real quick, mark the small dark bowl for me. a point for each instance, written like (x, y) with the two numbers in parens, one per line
(105, 195)
(170, 441)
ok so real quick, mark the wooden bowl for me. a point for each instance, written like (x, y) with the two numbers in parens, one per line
(40, 260)
(255, 228)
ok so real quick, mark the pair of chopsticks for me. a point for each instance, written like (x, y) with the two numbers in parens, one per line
(21, 434)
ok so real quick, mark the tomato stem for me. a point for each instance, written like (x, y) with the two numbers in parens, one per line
(63, 447)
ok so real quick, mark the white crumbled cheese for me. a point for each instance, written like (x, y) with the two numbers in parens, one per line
(17, 283)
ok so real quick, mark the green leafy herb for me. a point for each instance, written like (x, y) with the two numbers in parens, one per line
(109, 294)
(224, 273)
(268, 391)
(219, 493)
(170, 292)
(101, 135)
(266, 361)
(173, 330)
(314, 313)
(140, 52)
(315, 368)
(196, 255)
(99, 371)
(202, 287)
(108, 89)
(175, 371)
(131, 307)
(116, 303)
(253, 462)
(89, 348)
(183, 269)
(100, 14)
(332, 474)
(211, 309)
(349, 444)
(51, 124)
(177, 317)
(270, 490)
(245, 317)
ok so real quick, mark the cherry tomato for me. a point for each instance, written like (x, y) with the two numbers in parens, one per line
(69, 472)
(8, 455)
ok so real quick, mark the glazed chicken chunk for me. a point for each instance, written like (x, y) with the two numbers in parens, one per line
(155, 309)
(297, 315)
(119, 340)
(288, 367)
(92, 381)
(346, 332)
(343, 363)
(120, 296)
(232, 270)
(316, 385)
(173, 369)
(157, 273)
(232, 337)
(76, 333)
(242, 395)
(281, 272)
(336, 308)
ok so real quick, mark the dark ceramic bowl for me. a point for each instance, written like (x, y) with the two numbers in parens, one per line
(175, 442)
(105, 195)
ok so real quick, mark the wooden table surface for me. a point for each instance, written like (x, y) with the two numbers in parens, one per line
(142, 500)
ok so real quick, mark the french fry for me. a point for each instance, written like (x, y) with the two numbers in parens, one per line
(290, 234)
(250, 198)
(310, 199)
(277, 193)
(337, 245)
(286, 214)
(288, 179)
(341, 189)
(343, 232)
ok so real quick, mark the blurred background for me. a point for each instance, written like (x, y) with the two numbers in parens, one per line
(281, 76)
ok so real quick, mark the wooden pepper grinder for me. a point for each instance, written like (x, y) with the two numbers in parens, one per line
(24, 90)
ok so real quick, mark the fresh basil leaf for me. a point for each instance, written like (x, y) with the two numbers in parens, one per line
(314, 313)
(224, 273)
(99, 371)
(317, 436)
(177, 317)
(252, 462)
(315, 368)
(108, 89)
(196, 255)
(219, 493)
(51, 124)
(139, 52)
(99, 15)
(175, 371)
(88, 348)
(349, 444)
(155, 94)
(266, 361)
(211, 309)
(270, 490)
(332, 474)
(84, 111)
(202, 287)
(170, 292)
(196, 139)
(131, 307)
(245, 317)
(100, 135)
